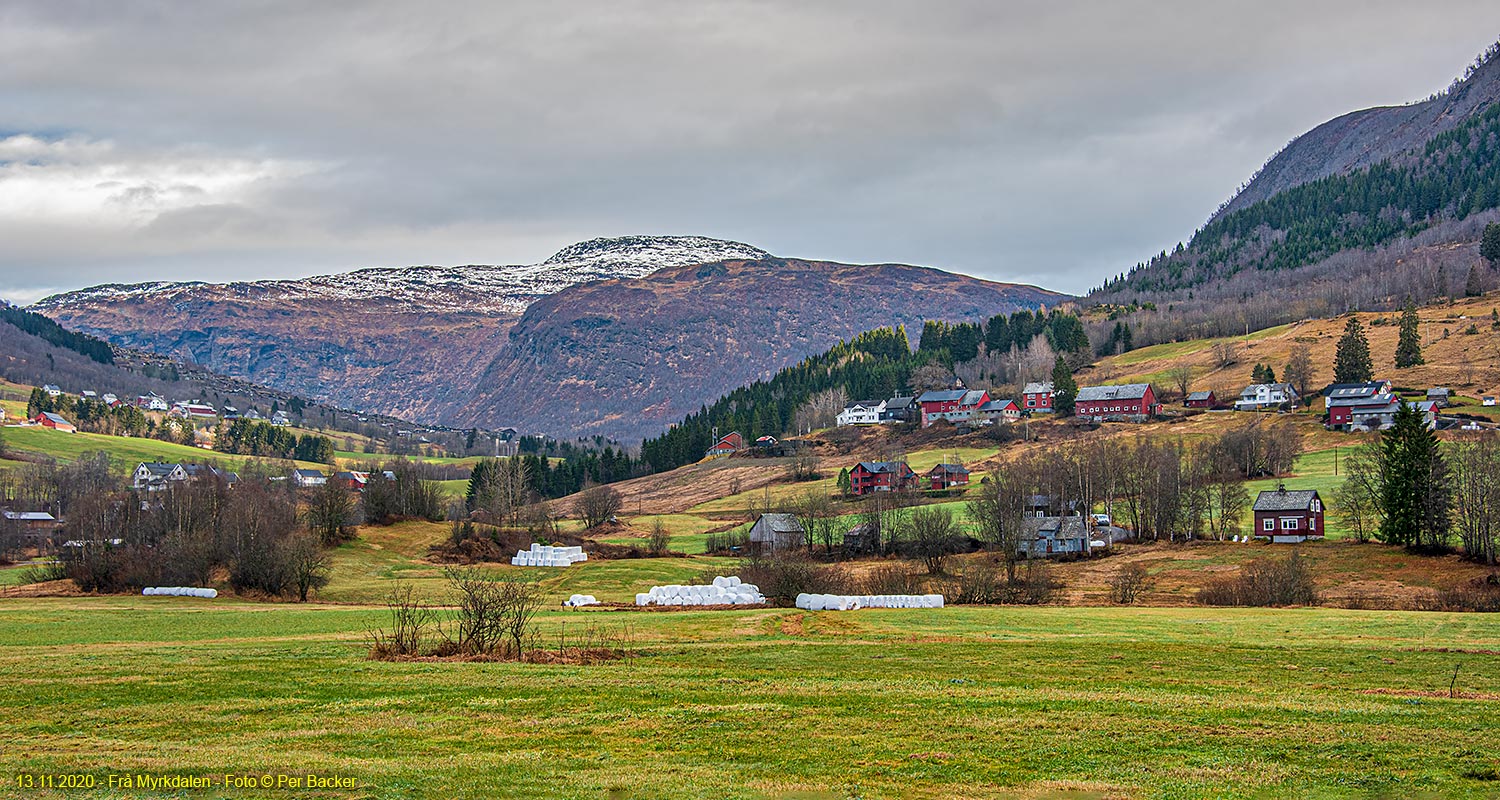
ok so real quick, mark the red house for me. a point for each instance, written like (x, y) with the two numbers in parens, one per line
(1037, 396)
(881, 476)
(947, 476)
(1344, 400)
(1201, 400)
(47, 419)
(1284, 516)
(1126, 400)
(729, 443)
(954, 405)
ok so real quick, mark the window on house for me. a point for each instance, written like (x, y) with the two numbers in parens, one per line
(1289, 524)
(1269, 525)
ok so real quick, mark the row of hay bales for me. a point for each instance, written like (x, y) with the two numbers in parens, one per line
(850, 602)
(179, 591)
(724, 591)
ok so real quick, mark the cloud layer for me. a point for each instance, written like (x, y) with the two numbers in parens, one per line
(1049, 143)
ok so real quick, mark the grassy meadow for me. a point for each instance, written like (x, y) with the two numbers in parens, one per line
(951, 703)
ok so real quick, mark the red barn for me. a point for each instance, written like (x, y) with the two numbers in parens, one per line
(1126, 400)
(1037, 396)
(729, 443)
(954, 405)
(947, 476)
(881, 476)
(1346, 399)
(1284, 516)
(47, 419)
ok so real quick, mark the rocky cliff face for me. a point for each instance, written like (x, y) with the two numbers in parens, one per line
(619, 336)
(625, 358)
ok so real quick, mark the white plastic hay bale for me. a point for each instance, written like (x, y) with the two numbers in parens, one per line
(804, 600)
(720, 581)
(734, 580)
(750, 586)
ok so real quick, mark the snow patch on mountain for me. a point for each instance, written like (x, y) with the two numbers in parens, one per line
(479, 288)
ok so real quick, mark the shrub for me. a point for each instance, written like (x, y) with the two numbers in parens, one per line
(1264, 582)
(1478, 595)
(783, 576)
(891, 579)
(1128, 583)
(494, 615)
(410, 618)
(982, 584)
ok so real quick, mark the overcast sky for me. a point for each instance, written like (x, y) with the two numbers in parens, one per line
(1050, 143)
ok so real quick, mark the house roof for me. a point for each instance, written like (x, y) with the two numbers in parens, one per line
(1354, 389)
(1055, 527)
(881, 466)
(55, 418)
(957, 469)
(942, 396)
(157, 467)
(310, 473)
(899, 402)
(862, 404)
(999, 405)
(1285, 500)
(1127, 391)
(1438, 392)
(1201, 395)
(28, 516)
(1041, 387)
(1255, 388)
(782, 523)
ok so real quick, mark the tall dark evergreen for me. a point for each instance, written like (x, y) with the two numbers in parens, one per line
(1415, 491)
(1064, 389)
(1489, 245)
(1351, 362)
(1409, 344)
(1474, 285)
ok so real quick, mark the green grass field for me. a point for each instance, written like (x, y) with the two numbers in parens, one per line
(958, 702)
(124, 452)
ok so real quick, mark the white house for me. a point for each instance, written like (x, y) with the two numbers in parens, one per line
(153, 476)
(51, 390)
(1265, 395)
(307, 478)
(861, 412)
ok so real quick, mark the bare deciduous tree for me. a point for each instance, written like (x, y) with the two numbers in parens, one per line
(596, 505)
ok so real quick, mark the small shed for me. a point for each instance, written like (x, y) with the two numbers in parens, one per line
(1439, 396)
(778, 532)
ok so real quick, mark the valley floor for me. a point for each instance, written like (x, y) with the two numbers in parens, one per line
(958, 702)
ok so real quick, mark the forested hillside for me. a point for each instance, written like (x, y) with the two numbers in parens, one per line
(1406, 225)
(876, 365)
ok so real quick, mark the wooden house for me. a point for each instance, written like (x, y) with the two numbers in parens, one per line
(1289, 516)
(881, 476)
(1126, 401)
(947, 476)
(778, 532)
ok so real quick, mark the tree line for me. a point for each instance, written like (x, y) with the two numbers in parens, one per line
(248, 437)
(48, 331)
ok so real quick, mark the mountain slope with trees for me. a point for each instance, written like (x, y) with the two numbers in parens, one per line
(1396, 205)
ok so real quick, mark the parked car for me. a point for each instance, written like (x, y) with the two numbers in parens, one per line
(1102, 519)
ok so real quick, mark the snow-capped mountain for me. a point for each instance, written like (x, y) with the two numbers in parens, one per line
(505, 289)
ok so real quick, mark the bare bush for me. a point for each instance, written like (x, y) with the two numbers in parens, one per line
(891, 579)
(1128, 583)
(494, 615)
(660, 539)
(410, 619)
(1264, 582)
(982, 584)
(782, 576)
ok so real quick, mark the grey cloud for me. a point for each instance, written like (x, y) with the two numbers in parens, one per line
(1054, 143)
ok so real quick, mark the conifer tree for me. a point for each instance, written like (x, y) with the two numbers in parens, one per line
(1064, 389)
(1489, 246)
(1474, 285)
(1351, 362)
(1409, 345)
(1414, 485)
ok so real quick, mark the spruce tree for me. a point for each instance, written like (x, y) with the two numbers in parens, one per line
(1474, 286)
(1489, 246)
(1351, 363)
(1409, 344)
(1414, 486)
(1064, 389)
